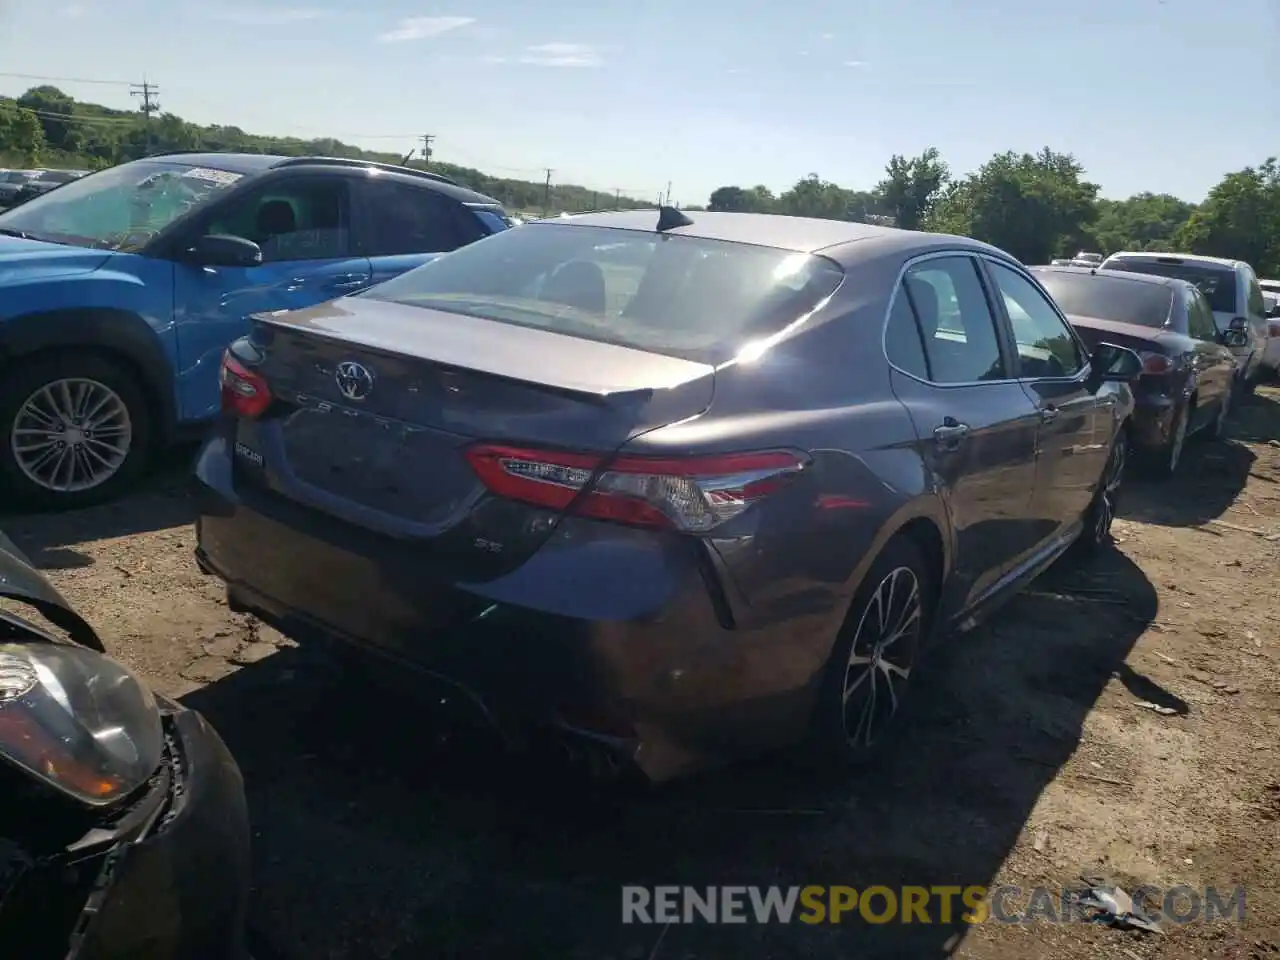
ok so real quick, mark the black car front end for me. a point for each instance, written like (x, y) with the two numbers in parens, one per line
(124, 832)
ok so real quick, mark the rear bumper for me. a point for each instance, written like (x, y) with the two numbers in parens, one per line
(604, 633)
(1151, 425)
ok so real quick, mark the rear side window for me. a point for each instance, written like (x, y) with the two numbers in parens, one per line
(1146, 303)
(688, 297)
(955, 321)
(402, 219)
(1218, 284)
(902, 342)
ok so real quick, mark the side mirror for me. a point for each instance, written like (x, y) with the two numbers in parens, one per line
(1234, 337)
(1113, 364)
(1274, 311)
(223, 250)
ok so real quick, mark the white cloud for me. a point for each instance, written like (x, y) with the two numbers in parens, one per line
(856, 63)
(420, 28)
(74, 11)
(268, 17)
(828, 36)
(562, 55)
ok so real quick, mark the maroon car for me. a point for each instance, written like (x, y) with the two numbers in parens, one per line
(1187, 380)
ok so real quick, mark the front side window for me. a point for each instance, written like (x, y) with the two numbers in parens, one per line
(1046, 346)
(121, 208)
(690, 297)
(306, 218)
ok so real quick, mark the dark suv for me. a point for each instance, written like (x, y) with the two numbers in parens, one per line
(119, 291)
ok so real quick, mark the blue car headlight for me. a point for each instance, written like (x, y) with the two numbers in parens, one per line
(77, 721)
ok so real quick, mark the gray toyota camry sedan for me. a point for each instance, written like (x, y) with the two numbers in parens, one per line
(677, 487)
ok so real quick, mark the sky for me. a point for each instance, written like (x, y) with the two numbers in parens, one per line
(1159, 95)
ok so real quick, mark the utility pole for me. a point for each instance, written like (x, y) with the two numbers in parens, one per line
(595, 199)
(617, 199)
(668, 193)
(427, 140)
(148, 92)
(546, 194)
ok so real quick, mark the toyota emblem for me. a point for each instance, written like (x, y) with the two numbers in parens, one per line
(355, 380)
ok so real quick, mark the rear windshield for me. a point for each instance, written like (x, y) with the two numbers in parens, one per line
(687, 297)
(1218, 284)
(1109, 298)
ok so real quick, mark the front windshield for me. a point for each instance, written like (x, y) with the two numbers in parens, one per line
(121, 208)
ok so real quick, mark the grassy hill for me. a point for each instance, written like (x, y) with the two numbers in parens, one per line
(46, 127)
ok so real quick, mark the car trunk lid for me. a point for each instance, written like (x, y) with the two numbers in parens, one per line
(377, 402)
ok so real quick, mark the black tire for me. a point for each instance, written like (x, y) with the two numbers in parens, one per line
(1096, 535)
(22, 380)
(1162, 462)
(831, 739)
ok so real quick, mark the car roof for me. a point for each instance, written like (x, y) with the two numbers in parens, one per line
(253, 163)
(1152, 279)
(833, 238)
(1154, 257)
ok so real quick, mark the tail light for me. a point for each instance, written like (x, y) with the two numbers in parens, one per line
(692, 494)
(1273, 328)
(244, 393)
(1156, 364)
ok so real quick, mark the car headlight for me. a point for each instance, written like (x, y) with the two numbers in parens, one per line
(79, 722)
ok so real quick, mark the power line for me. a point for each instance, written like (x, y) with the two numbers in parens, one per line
(32, 76)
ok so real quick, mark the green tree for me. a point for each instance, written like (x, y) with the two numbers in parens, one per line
(56, 111)
(911, 187)
(21, 134)
(1146, 221)
(815, 197)
(1033, 206)
(1239, 219)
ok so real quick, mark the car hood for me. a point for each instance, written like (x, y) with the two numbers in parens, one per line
(32, 259)
(19, 580)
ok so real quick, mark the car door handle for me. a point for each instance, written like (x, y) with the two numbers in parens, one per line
(950, 434)
(1049, 414)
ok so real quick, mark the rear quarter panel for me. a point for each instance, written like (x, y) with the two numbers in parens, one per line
(801, 554)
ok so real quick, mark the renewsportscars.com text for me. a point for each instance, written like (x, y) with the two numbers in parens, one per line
(911, 904)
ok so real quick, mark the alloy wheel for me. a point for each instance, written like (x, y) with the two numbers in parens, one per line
(881, 657)
(71, 435)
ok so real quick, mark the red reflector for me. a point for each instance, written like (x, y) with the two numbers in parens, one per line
(691, 494)
(244, 393)
(1273, 328)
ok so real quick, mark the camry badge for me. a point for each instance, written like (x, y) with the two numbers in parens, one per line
(355, 381)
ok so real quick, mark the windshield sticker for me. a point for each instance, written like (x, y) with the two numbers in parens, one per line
(222, 178)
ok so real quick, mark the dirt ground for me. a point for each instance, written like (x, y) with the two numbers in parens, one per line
(1033, 755)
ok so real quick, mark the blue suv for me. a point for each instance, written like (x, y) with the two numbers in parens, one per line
(119, 291)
